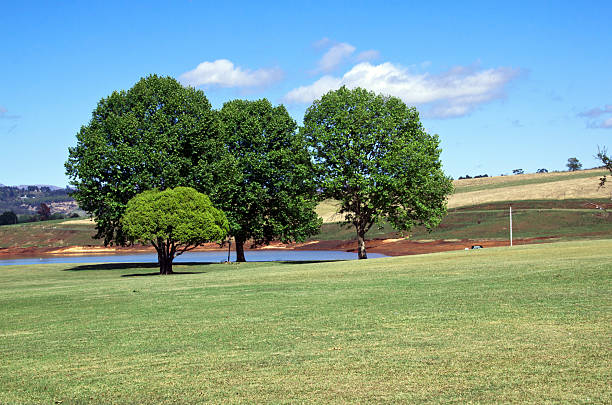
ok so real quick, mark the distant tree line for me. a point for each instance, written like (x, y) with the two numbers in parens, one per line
(467, 176)
(43, 213)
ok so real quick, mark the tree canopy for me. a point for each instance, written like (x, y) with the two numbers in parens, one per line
(158, 134)
(8, 218)
(374, 156)
(274, 193)
(573, 164)
(173, 221)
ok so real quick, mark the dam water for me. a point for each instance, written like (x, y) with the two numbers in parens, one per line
(194, 257)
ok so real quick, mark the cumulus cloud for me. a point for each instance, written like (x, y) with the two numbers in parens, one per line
(335, 56)
(223, 73)
(453, 93)
(599, 117)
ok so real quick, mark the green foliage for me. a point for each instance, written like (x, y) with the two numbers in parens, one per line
(174, 221)
(158, 134)
(8, 218)
(375, 158)
(573, 164)
(274, 193)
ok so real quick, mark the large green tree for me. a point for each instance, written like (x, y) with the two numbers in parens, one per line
(173, 221)
(274, 195)
(158, 134)
(374, 156)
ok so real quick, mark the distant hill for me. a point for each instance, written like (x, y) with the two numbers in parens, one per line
(582, 184)
(558, 186)
(51, 187)
(25, 199)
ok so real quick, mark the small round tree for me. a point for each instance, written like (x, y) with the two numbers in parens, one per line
(173, 221)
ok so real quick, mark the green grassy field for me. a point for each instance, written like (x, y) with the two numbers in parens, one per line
(531, 324)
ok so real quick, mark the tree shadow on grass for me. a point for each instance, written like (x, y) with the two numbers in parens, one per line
(134, 266)
(130, 266)
(176, 273)
(309, 261)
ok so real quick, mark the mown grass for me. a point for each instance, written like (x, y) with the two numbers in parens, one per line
(531, 324)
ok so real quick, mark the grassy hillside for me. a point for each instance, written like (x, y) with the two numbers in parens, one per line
(545, 205)
(580, 185)
(531, 324)
(49, 233)
(541, 186)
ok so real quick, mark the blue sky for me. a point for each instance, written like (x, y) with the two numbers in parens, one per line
(506, 86)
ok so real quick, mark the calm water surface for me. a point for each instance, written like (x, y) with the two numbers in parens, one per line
(218, 256)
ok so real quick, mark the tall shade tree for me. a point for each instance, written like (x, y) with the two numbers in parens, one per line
(158, 134)
(173, 221)
(374, 156)
(275, 194)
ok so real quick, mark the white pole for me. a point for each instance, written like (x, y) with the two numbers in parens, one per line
(510, 226)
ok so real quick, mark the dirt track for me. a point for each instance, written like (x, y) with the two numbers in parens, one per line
(389, 247)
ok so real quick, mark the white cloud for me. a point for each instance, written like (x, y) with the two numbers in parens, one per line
(322, 43)
(335, 56)
(596, 112)
(222, 72)
(307, 94)
(368, 55)
(453, 93)
(599, 117)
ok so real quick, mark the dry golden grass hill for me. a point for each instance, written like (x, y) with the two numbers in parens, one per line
(582, 184)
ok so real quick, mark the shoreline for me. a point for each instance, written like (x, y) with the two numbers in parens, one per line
(388, 247)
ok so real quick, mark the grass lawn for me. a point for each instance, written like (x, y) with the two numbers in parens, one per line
(528, 324)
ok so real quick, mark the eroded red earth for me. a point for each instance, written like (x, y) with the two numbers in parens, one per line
(389, 247)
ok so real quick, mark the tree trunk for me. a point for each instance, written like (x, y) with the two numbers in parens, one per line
(240, 250)
(361, 252)
(165, 267)
(164, 257)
